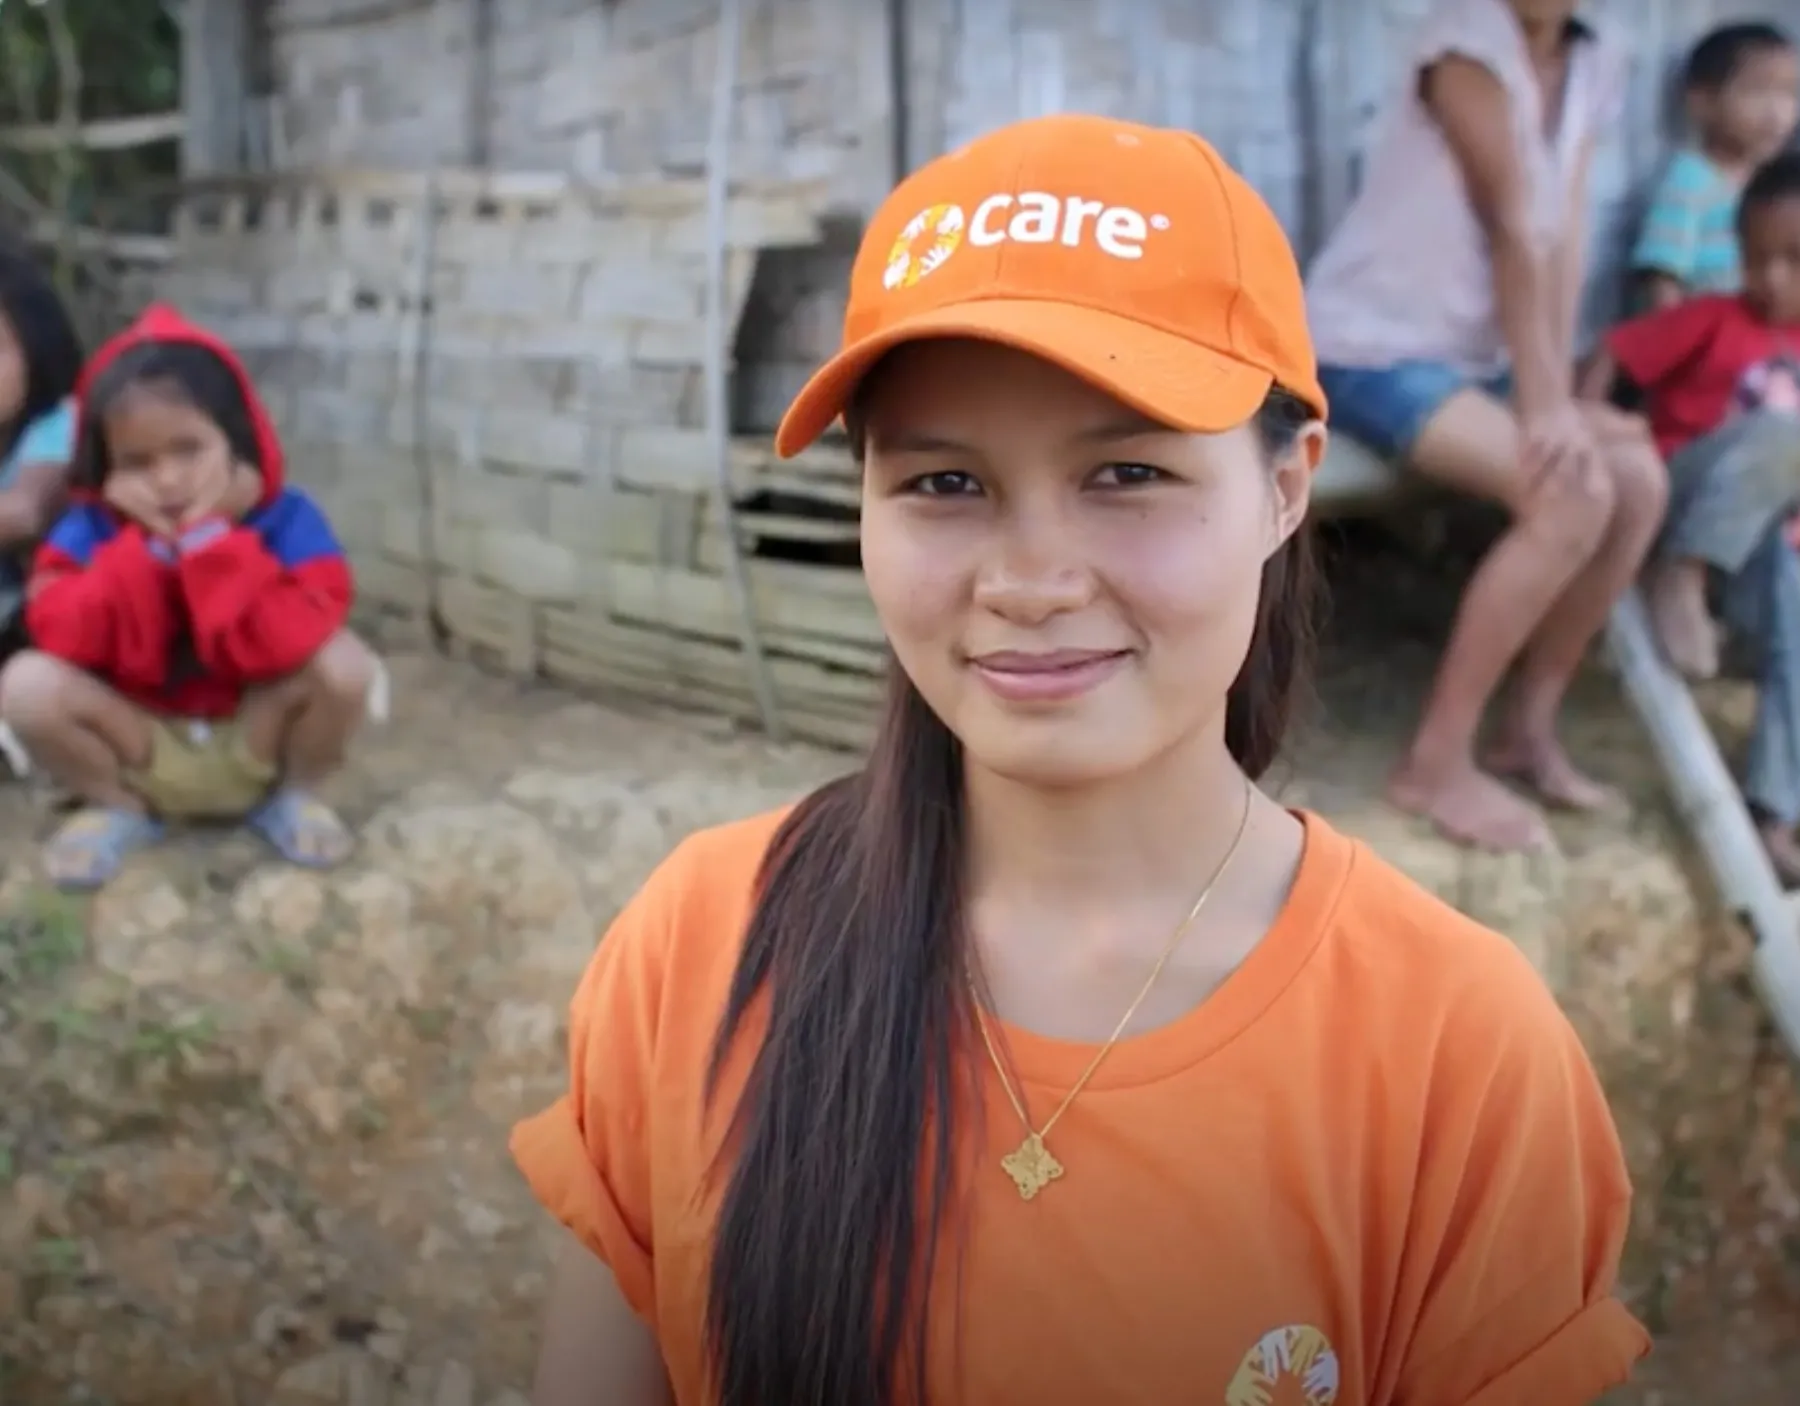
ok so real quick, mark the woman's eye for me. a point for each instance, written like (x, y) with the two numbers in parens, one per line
(1128, 475)
(949, 484)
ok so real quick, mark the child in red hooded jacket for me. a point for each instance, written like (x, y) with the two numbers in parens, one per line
(187, 617)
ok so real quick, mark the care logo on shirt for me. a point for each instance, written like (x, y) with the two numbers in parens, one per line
(1293, 1364)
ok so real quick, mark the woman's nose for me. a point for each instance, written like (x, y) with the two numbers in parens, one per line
(1035, 569)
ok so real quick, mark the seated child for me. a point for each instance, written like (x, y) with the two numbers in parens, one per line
(1742, 90)
(187, 614)
(1720, 377)
(40, 358)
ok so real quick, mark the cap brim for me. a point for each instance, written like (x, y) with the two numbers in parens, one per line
(1168, 378)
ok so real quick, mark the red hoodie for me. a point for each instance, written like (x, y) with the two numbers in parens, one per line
(256, 598)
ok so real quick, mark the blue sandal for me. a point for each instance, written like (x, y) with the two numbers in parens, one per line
(92, 846)
(302, 829)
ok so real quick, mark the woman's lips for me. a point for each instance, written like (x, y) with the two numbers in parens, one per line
(1052, 676)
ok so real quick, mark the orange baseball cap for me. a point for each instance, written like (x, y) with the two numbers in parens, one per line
(1130, 256)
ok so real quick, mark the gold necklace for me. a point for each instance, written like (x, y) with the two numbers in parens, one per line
(1031, 1165)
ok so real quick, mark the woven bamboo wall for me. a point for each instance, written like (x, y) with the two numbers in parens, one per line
(497, 396)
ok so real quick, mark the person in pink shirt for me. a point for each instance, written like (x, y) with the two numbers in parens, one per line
(1445, 309)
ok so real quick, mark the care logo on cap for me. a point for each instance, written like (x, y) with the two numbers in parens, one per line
(930, 237)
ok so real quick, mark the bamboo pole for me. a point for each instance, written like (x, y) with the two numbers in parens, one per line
(1712, 807)
(102, 134)
(718, 391)
(67, 155)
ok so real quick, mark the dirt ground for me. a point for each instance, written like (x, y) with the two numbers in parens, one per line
(252, 1139)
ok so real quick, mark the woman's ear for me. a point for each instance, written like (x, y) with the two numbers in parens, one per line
(1293, 474)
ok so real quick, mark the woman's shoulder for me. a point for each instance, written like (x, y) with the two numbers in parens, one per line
(706, 885)
(1403, 948)
(1483, 30)
(661, 973)
(1451, 1017)
(733, 844)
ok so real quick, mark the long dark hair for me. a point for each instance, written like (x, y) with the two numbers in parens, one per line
(825, 1249)
(40, 323)
(192, 374)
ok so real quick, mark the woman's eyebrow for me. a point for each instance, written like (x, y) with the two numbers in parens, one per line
(915, 442)
(1126, 427)
(1106, 432)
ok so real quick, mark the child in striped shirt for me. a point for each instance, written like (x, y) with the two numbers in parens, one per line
(1742, 88)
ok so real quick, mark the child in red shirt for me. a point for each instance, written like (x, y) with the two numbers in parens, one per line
(1721, 380)
(189, 658)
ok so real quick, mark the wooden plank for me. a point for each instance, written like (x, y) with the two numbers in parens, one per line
(585, 648)
(533, 192)
(694, 603)
(1712, 808)
(503, 626)
(127, 248)
(105, 134)
(843, 585)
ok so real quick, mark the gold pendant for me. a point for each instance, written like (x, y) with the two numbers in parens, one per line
(1032, 1166)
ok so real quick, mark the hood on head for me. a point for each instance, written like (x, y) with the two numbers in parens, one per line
(162, 323)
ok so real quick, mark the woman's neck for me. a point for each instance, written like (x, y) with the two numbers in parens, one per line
(1166, 824)
(1545, 40)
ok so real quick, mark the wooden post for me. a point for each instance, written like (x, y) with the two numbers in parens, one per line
(213, 34)
(478, 139)
(716, 370)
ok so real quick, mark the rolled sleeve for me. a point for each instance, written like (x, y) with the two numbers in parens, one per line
(587, 1157)
(1577, 1365)
(557, 1161)
(1519, 1220)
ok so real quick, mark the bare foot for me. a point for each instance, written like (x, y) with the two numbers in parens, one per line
(1470, 807)
(1784, 853)
(1552, 776)
(1676, 596)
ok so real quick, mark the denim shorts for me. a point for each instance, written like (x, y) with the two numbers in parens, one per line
(1386, 407)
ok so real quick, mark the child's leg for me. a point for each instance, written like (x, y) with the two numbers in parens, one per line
(1675, 595)
(90, 740)
(1763, 602)
(302, 726)
(1730, 487)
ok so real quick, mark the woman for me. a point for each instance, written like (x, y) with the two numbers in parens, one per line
(40, 359)
(1045, 1059)
(1446, 308)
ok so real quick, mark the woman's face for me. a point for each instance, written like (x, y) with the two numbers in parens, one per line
(13, 374)
(1071, 587)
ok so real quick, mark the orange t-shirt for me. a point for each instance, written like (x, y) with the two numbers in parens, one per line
(1374, 1168)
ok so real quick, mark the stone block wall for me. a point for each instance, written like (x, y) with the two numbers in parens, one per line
(1290, 90)
(606, 92)
(494, 385)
